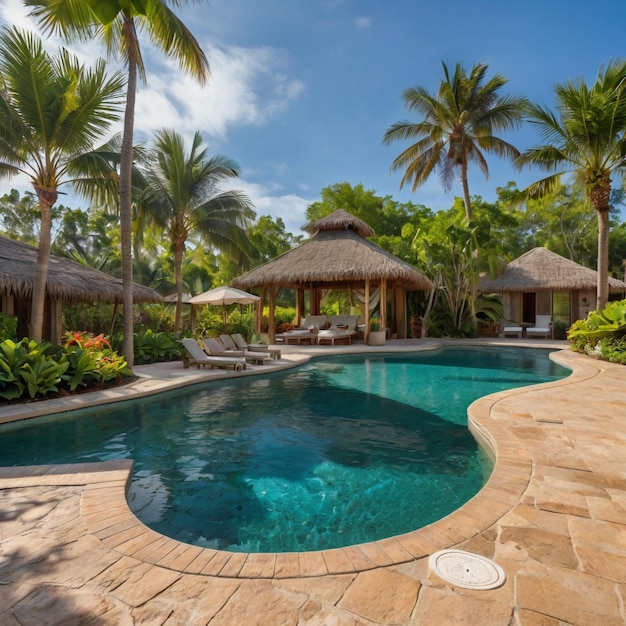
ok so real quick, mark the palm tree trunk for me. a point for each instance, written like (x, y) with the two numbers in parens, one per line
(603, 259)
(126, 164)
(466, 194)
(46, 201)
(600, 196)
(179, 249)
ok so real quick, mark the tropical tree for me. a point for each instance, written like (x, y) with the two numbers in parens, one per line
(586, 137)
(458, 127)
(52, 110)
(182, 197)
(116, 23)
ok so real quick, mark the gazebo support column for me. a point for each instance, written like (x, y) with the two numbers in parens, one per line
(366, 306)
(383, 304)
(400, 312)
(272, 306)
(258, 318)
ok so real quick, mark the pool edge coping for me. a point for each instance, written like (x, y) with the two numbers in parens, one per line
(105, 511)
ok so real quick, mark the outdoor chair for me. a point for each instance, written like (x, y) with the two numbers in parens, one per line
(217, 349)
(241, 344)
(512, 330)
(201, 359)
(542, 327)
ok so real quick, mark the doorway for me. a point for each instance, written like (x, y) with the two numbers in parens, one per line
(529, 307)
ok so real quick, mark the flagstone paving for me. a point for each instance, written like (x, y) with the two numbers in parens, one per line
(552, 515)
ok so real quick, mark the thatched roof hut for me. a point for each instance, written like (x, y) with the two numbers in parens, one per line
(67, 281)
(541, 282)
(338, 256)
(540, 269)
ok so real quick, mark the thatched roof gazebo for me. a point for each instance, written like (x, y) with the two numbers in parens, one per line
(534, 278)
(67, 281)
(337, 256)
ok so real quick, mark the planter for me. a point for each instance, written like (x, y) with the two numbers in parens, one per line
(377, 338)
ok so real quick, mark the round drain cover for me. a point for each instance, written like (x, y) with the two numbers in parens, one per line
(467, 570)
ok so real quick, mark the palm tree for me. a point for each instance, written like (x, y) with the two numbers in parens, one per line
(587, 137)
(182, 197)
(116, 24)
(459, 123)
(52, 110)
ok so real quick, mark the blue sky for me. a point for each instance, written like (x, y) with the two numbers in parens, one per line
(302, 91)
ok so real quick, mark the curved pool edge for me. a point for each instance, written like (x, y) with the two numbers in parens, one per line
(105, 511)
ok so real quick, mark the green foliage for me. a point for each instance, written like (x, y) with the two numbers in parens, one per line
(151, 347)
(8, 327)
(92, 360)
(602, 333)
(559, 329)
(28, 368)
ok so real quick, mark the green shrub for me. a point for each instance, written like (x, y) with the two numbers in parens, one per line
(157, 347)
(602, 334)
(8, 327)
(29, 368)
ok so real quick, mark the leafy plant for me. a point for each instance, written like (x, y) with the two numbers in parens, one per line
(8, 327)
(28, 368)
(151, 347)
(602, 333)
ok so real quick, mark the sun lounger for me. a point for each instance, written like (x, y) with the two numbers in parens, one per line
(217, 349)
(241, 344)
(513, 331)
(542, 327)
(201, 359)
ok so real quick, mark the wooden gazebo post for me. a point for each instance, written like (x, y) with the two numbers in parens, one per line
(366, 335)
(272, 305)
(383, 303)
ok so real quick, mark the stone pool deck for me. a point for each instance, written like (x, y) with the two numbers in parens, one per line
(552, 515)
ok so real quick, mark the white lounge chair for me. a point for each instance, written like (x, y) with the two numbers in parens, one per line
(241, 344)
(542, 327)
(202, 359)
(512, 331)
(217, 349)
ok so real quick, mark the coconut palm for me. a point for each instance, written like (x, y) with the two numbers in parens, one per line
(52, 110)
(586, 138)
(182, 197)
(458, 125)
(116, 23)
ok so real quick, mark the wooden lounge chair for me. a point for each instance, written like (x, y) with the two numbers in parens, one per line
(512, 331)
(542, 327)
(201, 359)
(241, 344)
(217, 349)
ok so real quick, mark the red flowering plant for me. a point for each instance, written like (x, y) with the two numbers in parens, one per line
(91, 360)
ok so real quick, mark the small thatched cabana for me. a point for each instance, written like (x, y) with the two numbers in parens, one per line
(541, 282)
(68, 281)
(338, 257)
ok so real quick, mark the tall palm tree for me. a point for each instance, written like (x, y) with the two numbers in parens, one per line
(587, 138)
(458, 124)
(52, 110)
(116, 24)
(182, 197)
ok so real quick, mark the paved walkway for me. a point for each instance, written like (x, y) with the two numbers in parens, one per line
(552, 516)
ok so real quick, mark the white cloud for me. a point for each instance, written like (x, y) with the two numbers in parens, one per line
(247, 87)
(363, 21)
(268, 200)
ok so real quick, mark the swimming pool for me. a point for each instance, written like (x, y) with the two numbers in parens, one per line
(340, 451)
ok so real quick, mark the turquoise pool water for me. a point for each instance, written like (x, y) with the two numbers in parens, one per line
(336, 452)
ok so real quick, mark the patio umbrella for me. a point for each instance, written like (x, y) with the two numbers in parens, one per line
(223, 296)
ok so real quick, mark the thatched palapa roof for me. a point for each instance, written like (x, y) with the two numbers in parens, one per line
(67, 280)
(337, 254)
(540, 269)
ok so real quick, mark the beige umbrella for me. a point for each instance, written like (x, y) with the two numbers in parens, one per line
(223, 296)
